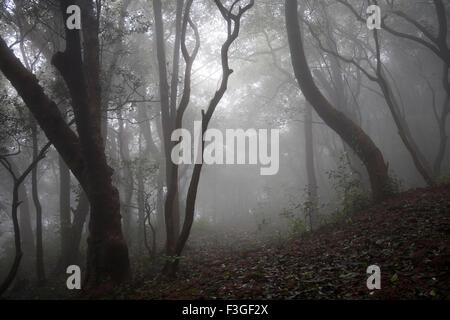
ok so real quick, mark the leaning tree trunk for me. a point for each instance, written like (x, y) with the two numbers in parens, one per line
(84, 154)
(353, 135)
(418, 158)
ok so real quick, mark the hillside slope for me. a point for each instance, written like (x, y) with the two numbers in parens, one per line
(408, 237)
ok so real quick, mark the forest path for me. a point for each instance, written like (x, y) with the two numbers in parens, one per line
(408, 237)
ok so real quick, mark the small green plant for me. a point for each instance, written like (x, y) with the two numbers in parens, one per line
(262, 220)
(443, 178)
(396, 184)
(352, 197)
(309, 208)
(295, 222)
(171, 259)
(303, 216)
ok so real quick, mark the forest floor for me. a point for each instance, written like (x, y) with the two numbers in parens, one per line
(408, 237)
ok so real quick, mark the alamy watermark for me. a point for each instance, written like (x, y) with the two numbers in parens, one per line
(374, 18)
(230, 149)
(374, 280)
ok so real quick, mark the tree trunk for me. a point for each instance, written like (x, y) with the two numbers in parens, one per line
(27, 236)
(233, 27)
(25, 222)
(79, 219)
(167, 126)
(443, 138)
(17, 241)
(17, 180)
(418, 158)
(64, 215)
(108, 253)
(107, 256)
(173, 102)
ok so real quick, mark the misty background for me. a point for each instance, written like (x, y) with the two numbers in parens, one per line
(262, 93)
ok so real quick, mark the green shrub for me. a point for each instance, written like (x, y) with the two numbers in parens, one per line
(443, 178)
(351, 196)
(296, 223)
(396, 184)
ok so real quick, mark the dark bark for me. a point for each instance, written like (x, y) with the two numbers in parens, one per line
(171, 203)
(418, 158)
(173, 100)
(439, 46)
(107, 250)
(64, 215)
(233, 21)
(167, 127)
(79, 219)
(107, 257)
(17, 241)
(336, 93)
(353, 135)
(17, 182)
(44, 111)
(442, 123)
(25, 221)
(28, 245)
(176, 61)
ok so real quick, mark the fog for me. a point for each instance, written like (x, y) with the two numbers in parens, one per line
(145, 71)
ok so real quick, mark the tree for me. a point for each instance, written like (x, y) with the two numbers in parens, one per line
(17, 181)
(353, 135)
(84, 154)
(168, 115)
(107, 250)
(233, 21)
(64, 215)
(437, 44)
